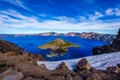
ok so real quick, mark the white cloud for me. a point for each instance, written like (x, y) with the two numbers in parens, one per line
(109, 12)
(82, 18)
(113, 11)
(67, 19)
(117, 11)
(32, 25)
(17, 3)
(95, 16)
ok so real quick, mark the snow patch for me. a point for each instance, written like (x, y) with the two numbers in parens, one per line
(98, 61)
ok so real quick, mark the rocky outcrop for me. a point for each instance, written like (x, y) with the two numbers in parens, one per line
(113, 47)
(11, 75)
(83, 65)
(11, 49)
(90, 73)
(6, 46)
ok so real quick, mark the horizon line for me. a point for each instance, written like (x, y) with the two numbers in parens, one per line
(54, 32)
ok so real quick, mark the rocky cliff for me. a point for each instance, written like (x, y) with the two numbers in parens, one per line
(6, 46)
(113, 47)
(9, 49)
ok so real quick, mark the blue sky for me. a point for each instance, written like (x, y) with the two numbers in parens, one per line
(36, 16)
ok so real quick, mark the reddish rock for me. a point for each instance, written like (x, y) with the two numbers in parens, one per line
(11, 54)
(69, 77)
(94, 76)
(77, 78)
(31, 78)
(37, 56)
(63, 67)
(6, 46)
(28, 78)
(112, 69)
(40, 57)
(43, 67)
(83, 65)
(57, 77)
(11, 75)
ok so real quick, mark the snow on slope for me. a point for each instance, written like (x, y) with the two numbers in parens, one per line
(97, 61)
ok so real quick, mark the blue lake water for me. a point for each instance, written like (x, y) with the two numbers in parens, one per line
(31, 43)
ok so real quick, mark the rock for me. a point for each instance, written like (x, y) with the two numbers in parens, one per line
(30, 69)
(83, 65)
(63, 67)
(118, 65)
(37, 56)
(69, 77)
(31, 78)
(83, 74)
(12, 75)
(34, 61)
(43, 67)
(6, 46)
(112, 69)
(3, 69)
(2, 64)
(55, 77)
(113, 47)
(94, 76)
(40, 57)
(10, 53)
(77, 78)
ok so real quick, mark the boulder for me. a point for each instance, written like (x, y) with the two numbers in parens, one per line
(69, 77)
(63, 67)
(57, 77)
(77, 78)
(31, 78)
(10, 53)
(94, 76)
(43, 67)
(36, 56)
(12, 75)
(83, 65)
(112, 69)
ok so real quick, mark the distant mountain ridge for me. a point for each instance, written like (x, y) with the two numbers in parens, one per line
(87, 35)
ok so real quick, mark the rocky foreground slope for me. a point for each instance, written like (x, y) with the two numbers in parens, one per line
(100, 67)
